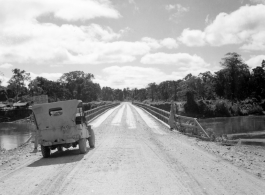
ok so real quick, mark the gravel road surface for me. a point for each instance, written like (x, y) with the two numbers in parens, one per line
(134, 154)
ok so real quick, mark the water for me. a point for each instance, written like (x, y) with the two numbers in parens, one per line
(13, 135)
(230, 125)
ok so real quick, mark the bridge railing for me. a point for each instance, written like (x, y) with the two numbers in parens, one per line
(183, 123)
(91, 114)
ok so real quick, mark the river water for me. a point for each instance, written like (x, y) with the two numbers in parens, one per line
(13, 135)
(230, 125)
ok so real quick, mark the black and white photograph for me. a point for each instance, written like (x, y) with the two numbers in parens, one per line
(132, 97)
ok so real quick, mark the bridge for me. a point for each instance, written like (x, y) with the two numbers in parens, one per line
(135, 153)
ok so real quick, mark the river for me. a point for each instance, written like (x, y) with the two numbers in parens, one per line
(13, 135)
(230, 125)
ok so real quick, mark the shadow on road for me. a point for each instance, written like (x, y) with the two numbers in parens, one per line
(67, 156)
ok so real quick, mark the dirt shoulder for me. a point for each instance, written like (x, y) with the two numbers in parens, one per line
(250, 158)
(10, 160)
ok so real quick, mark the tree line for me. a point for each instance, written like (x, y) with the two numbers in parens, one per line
(72, 85)
(235, 82)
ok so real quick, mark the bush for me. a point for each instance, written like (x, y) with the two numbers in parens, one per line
(206, 109)
(222, 109)
(256, 109)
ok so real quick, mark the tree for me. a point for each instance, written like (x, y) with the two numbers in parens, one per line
(34, 88)
(236, 76)
(17, 81)
(164, 90)
(174, 86)
(205, 85)
(118, 94)
(74, 82)
(258, 80)
(107, 94)
(152, 87)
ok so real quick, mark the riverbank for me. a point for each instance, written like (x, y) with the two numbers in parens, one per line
(12, 159)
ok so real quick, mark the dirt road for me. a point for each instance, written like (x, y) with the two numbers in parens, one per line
(134, 154)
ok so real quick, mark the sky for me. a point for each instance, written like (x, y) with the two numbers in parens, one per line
(128, 43)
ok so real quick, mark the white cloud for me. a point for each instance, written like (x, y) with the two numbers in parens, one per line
(184, 63)
(169, 43)
(29, 10)
(6, 66)
(133, 76)
(24, 39)
(4, 80)
(49, 76)
(244, 26)
(255, 61)
(207, 20)
(179, 8)
(192, 37)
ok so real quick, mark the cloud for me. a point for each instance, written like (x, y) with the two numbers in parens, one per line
(244, 26)
(178, 10)
(49, 76)
(177, 7)
(6, 66)
(24, 39)
(4, 80)
(169, 43)
(192, 37)
(207, 20)
(30, 10)
(255, 61)
(183, 62)
(133, 77)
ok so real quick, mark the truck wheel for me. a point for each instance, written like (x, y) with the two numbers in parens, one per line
(91, 139)
(82, 145)
(46, 151)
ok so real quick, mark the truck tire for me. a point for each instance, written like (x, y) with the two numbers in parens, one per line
(91, 139)
(82, 145)
(46, 151)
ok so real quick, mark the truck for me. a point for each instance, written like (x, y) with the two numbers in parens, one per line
(61, 125)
